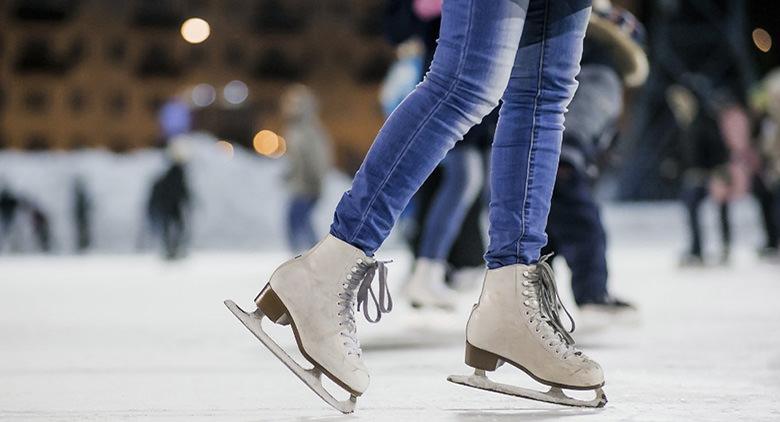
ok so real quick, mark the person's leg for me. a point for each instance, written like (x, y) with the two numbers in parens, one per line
(725, 230)
(472, 64)
(766, 201)
(299, 230)
(309, 234)
(518, 317)
(575, 224)
(320, 291)
(528, 137)
(692, 198)
(293, 225)
(461, 182)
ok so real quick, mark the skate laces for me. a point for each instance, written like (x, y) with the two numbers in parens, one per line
(358, 288)
(547, 303)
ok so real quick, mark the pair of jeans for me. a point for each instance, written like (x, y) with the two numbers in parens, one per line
(525, 53)
(576, 233)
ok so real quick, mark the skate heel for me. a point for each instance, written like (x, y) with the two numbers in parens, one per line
(271, 306)
(481, 359)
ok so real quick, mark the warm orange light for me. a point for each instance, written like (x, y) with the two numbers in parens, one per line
(195, 30)
(226, 147)
(268, 143)
(762, 39)
(281, 148)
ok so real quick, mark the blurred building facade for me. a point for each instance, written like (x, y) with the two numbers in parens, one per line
(94, 73)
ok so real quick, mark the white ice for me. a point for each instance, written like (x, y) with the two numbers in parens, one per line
(115, 337)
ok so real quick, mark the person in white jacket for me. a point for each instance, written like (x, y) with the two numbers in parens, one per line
(309, 157)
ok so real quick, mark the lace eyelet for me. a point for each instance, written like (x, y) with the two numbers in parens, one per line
(525, 274)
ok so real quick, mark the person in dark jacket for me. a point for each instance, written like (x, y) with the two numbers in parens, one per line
(168, 207)
(613, 59)
(82, 213)
(9, 204)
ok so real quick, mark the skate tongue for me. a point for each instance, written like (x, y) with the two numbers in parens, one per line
(366, 272)
(550, 301)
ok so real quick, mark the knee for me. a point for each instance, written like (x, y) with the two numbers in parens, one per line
(471, 96)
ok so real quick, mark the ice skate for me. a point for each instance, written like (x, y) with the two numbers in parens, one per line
(467, 279)
(607, 312)
(517, 321)
(692, 261)
(427, 288)
(317, 294)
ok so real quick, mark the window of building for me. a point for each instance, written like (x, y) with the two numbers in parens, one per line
(77, 101)
(117, 104)
(36, 102)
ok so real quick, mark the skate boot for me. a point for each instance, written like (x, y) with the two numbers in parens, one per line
(427, 287)
(517, 321)
(317, 294)
(607, 312)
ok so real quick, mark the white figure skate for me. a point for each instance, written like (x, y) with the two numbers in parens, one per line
(517, 321)
(427, 288)
(317, 294)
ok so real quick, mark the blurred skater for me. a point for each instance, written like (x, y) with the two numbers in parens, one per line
(9, 204)
(309, 158)
(169, 208)
(769, 143)
(613, 58)
(719, 159)
(40, 226)
(82, 215)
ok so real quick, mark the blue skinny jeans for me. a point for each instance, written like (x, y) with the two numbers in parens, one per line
(525, 53)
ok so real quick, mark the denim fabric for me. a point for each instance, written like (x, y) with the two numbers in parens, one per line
(524, 52)
(300, 231)
(577, 234)
(461, 182)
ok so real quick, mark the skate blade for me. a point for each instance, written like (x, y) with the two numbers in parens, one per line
(311, 377)
(555, 395)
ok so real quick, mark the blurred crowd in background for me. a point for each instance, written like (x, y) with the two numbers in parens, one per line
(678, 100)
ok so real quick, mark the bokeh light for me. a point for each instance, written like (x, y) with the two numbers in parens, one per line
(762, 39)
(226, 147)
(270, 144)
(235, 92)
(282, 148)
(203, 95)
(195, 30)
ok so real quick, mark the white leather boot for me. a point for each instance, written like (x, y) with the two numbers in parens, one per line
(427, 288)
(517, 321)
(317, 293)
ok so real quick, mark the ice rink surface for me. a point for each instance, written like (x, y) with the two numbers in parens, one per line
(130, 337)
